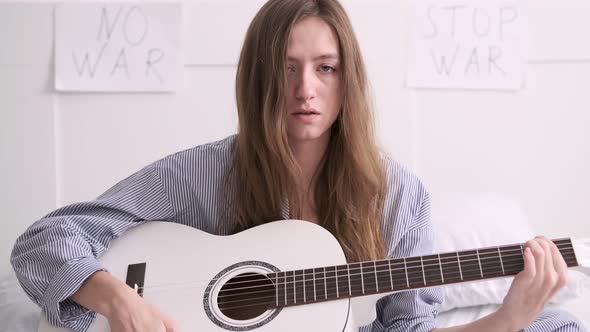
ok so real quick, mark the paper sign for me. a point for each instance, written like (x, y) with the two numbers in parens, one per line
(467, 44)
(118, 47)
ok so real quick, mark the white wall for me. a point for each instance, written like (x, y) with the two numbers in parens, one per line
(57, 148)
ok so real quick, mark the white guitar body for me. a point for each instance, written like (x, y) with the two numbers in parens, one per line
(180, 266)
(205, 281)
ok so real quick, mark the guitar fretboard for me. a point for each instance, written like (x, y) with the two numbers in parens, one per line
(358, 279)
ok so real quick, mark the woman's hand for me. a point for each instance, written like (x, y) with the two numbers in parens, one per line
(130, 313)
(125, 310)
(545, 272)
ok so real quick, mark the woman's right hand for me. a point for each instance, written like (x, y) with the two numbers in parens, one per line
(125, 310)
(130, 313)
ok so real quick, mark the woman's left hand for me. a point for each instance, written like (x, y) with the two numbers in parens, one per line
(545, 272)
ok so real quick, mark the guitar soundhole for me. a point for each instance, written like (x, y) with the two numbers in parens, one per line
(246, 296)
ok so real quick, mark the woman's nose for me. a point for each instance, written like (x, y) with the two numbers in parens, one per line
(306, 85)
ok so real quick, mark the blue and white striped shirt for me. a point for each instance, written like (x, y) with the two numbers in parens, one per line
(57, 253)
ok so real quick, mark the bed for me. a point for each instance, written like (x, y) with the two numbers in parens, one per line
(461, 221)
(578, 307)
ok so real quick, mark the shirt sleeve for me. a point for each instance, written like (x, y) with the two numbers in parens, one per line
(58, 252)
(413, 310)
(555, 321)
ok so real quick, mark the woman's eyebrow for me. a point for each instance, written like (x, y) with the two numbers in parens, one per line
(328, 56)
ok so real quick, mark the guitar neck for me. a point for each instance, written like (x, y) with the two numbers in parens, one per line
(383, 276)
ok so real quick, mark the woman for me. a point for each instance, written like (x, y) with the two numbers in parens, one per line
(305, 150)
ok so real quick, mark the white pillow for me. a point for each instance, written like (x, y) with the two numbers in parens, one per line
(474, 220)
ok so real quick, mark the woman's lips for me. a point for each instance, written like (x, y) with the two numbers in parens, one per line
(306, 117)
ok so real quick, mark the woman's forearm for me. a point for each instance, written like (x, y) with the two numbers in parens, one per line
(101, 292)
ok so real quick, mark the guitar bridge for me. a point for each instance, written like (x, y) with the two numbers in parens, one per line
(136, 277)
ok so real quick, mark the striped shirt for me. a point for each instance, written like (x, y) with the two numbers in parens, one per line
(58, 252)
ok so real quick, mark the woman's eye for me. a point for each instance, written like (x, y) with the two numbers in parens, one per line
(290, 69)
(327, 69)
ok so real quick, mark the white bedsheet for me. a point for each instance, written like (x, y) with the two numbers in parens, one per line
(579, 307)
(17, 312)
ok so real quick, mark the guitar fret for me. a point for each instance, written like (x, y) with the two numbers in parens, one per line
(450, 267)
(362, 277)
(315, 298)
(398, 274)
(383, 276)
(514, 263)
(441, 270)
(337, 290)
(355, 276)
(390, 276)
(479, 262)
(304, 297)
(423, 273)
(369, 277)
(331, 282)
(432, 270)
(470, 265)
(406, 270)
(459, 263)
(415, 269)
(285, 276)
(277, 290)
(492, 264)
(294, 288)
(376, 279)
(342, 280)
(349, 287)
(325, 285)
(501, 261)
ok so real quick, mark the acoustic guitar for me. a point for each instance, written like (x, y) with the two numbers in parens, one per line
(282, 276)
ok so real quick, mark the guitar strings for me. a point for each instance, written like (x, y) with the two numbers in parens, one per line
(562, 247)
(509, 262)
(469, 272)
(201, 283)
(485, 263)
(506, 258)
(520, 250)
(479, 256)
(416, 278)
(412, 278)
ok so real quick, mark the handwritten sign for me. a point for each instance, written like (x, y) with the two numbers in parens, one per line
(476, 44)
(118, 47)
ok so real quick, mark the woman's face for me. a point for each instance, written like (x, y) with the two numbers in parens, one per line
(313, 81)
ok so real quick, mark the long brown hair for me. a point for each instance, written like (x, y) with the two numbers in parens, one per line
(350, 181)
